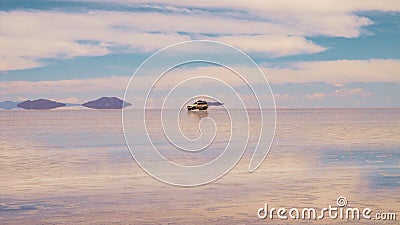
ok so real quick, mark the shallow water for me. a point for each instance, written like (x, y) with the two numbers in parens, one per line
(73, 166)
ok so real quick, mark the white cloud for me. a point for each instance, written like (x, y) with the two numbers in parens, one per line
(37, 35)
(336, 71)
(277, 28)
(316, 95)
(69, 86)
(284, 97)
(352, 91)
(272, 45)
(279, 5)
(67, 100)
(23, 52)
(333, 72)
(310, 17)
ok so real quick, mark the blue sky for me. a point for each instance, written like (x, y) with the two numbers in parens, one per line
(314, 53)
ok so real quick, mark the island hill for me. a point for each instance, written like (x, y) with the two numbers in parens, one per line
(40, 104)
(107, 103)
(101, 103)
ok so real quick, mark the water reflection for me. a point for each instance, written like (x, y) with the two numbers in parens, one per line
(75, 163)
(200, 114)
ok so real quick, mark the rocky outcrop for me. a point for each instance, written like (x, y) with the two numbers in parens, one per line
(215, 103)
(107, 103)
(40, 104)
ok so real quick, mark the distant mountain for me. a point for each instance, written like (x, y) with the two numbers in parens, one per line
(215, 103)
(40, 104)
(106, 103)
(9, 105)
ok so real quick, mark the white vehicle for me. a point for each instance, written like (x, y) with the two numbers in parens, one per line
(200, 105)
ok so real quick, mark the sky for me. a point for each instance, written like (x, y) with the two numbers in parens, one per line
(342, 53)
